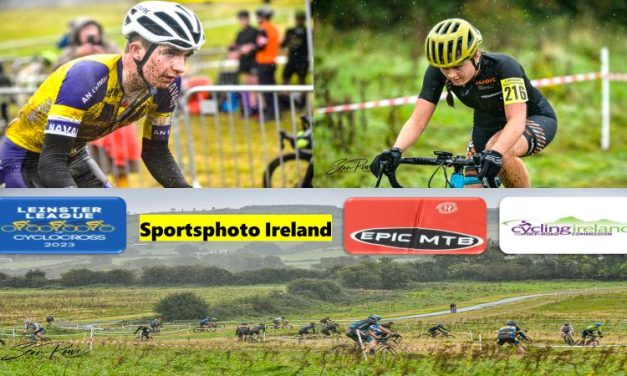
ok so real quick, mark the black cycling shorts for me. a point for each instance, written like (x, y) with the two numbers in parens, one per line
(539, 132)
(512, 341)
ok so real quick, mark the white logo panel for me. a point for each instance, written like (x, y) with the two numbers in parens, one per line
(563, 225)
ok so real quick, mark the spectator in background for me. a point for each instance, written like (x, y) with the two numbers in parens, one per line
(119, 152)
(267, 52)
(87, 38)
(64, 41)
(5, 100)
(298, 53)
(244, 49)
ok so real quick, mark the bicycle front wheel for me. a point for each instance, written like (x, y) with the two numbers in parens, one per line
(288, 171)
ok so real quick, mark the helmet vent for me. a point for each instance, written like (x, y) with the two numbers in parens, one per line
(446, 27)
(152, 27)
(183, 10)
(172, 23)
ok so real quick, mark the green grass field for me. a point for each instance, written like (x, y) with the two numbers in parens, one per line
(176, 350)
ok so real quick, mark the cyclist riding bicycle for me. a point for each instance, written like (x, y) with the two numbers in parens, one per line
(90, 97)
(155, 324)
(242, 330)
(566, 330)
(36, 330)
(145, 332)
(359, 329)
(592, 331)
(510, 334)
(439, 328)
(453, 307)
(376, 333)
(511, 120)
(305, 329)
(206, 321)
(49, 320)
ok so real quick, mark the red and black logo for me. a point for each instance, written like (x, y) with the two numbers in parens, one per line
(415, 225)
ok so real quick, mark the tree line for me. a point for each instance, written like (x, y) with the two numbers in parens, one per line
(352, 272)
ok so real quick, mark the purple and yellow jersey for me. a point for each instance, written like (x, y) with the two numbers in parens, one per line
(83, 100)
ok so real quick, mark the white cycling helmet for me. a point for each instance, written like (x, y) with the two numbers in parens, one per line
(162, 22)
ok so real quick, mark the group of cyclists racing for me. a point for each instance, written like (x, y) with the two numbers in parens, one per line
(366, 333)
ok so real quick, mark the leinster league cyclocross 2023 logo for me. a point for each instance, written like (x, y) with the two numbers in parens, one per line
(563, 225)
(62, 225)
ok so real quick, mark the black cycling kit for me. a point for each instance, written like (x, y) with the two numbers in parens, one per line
(501, 80)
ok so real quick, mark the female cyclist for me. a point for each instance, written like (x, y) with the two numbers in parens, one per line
(511, 120)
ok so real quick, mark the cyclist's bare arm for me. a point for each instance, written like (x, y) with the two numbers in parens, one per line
(516, 114)
(415, 125)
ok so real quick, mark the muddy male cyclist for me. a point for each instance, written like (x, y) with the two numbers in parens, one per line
(90, 97)
(511, 119)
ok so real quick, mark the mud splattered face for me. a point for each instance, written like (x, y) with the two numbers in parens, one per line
(165, 64)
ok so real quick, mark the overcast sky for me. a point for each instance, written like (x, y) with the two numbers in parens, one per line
(152, 200)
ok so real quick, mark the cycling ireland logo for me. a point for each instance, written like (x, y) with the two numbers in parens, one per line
(415, 226)
(568, 226)
(62, 225)
(563, 225)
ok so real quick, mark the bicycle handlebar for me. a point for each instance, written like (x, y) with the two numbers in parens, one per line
(442, 159)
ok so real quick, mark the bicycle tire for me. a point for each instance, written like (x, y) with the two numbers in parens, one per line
(527, 340)
(346, 349)
(569, 340)
(286, 167)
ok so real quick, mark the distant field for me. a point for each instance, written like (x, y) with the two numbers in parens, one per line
(104, 304)
(177, 350)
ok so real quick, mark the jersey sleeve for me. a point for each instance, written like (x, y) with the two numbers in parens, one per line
(512, 79)
(84, 84)
(432, 85)
(158, 122)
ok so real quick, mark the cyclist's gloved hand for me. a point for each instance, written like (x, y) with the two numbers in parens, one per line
(491, 163)
(391, 157)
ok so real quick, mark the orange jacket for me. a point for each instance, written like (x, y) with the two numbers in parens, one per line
(268, 40)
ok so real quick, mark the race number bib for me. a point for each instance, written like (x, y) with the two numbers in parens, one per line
(514, 90)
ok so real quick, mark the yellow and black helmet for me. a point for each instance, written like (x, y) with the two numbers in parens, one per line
(452, 41)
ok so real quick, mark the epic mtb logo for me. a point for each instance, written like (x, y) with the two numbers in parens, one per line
(569, 226)
(415, 226)
(417, 238)
(63, 225)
